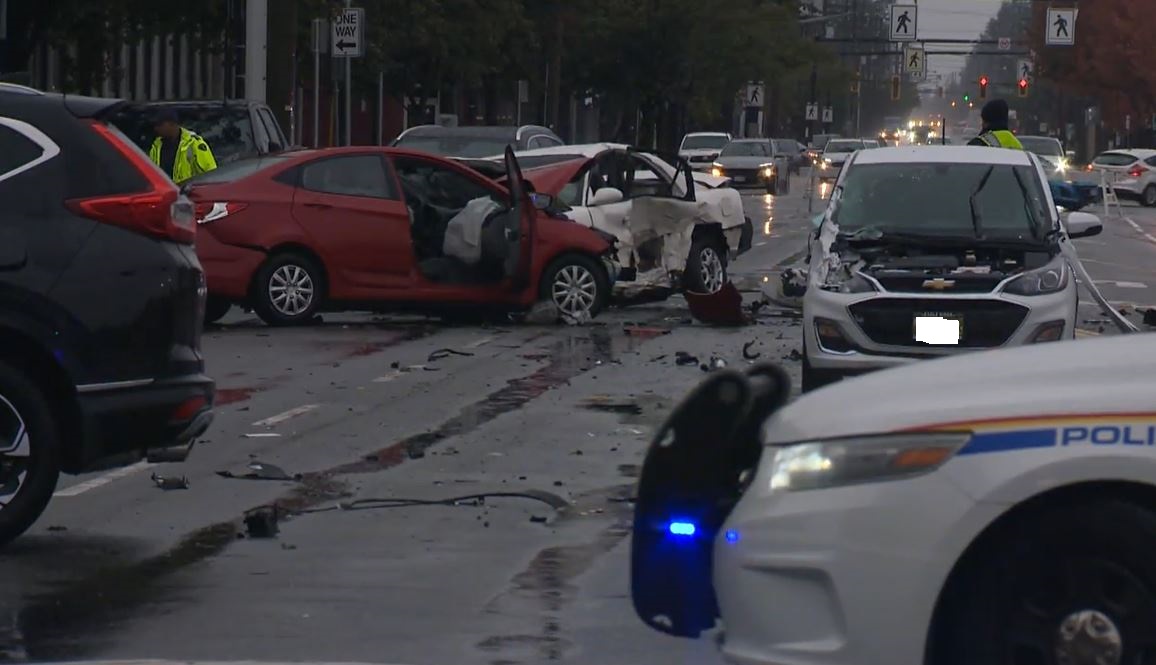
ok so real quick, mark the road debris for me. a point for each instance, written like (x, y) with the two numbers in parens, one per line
(793, 355)
(644, 332)
(256, 470)
(684, 358)
(715, 363)
(541, 313)
(612, 404)
(446, 353)
(721, 308)
(747, 353)
(261, 522)
(167, 483)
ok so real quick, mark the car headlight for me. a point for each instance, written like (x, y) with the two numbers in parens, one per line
(717, 170)
(864, 459)
(1061, 165)
(824, 163)
(1048, 279)
(767, 170)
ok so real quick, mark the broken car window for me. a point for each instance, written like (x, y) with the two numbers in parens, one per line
(355, 175)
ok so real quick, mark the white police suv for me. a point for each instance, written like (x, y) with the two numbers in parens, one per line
(990, 509)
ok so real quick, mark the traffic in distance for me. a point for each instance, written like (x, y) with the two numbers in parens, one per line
(340, 350)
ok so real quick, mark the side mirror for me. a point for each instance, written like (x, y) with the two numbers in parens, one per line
(542, 201)
(1083, 225)
(606, 196)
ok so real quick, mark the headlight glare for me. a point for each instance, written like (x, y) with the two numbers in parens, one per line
(1051, 278)
(839, 462)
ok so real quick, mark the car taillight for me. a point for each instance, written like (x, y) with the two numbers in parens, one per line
(211, 212)
(1137, 171)
(160, 211)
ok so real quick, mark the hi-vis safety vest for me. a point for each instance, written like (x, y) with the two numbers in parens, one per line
(193, 156)
(1001, 138)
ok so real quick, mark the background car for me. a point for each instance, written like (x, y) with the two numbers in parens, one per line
(871, 143)
(663, 227)
(748, 163)
(797, 152)
(818, 144)
(101, 297)
(1071, 189)
(835, 153)
(1132, 173)
(701, 148)
(375, 228)
(234, 129)
(475, 141)
(932, 251)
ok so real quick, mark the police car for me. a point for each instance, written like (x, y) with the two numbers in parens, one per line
(993, 508)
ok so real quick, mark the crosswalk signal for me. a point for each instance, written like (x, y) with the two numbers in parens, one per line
(1023, 87)
(983, 86)
(895, 87)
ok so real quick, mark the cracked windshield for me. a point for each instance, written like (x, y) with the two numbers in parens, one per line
(603, 332)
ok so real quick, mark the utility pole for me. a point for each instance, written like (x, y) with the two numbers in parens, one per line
(814, 99)
(348, 93)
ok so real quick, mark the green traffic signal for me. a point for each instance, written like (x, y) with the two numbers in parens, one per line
(967, 98)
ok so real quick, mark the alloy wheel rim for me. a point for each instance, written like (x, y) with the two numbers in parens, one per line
(1083, 611)
(710, 269)
(574, 290)
(1150, 196)
(15, 453)
(291, 290)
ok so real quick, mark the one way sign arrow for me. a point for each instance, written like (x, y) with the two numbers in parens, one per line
(344, 45)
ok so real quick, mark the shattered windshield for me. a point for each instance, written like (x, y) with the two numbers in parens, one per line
(934, 199)
(704, 142)
(746, 149)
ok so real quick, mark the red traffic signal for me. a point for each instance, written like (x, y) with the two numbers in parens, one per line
(983, 86)
(1023, 87)
(983, 81)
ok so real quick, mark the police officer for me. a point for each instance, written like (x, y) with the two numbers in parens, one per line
(995, 132)
(179, 152)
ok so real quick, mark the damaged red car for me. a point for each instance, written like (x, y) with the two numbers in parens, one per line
(386, 229)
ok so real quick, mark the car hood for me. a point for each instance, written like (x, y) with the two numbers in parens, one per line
(1052, 380)
(836, 156)
(744, 162)
(700, 152)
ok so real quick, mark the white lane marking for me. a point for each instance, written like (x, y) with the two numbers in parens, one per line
(1131, 285)
(1139, 229)
(261, 435)
(481, 342)
(760, 244)
(101, 481)
(282, 417)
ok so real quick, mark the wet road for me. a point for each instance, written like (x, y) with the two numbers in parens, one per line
(550, 416)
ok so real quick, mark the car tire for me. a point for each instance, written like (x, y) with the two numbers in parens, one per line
(577, 285)
(1148, 196)
(1085, 557)
(216, 308)
(706, 266)
(30, 469)
(813, 379)
(773, 185)
(276, 300)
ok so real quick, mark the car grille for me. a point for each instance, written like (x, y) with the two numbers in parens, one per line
(891, 321)
(959, 283)
(750, 175)
(701, 158)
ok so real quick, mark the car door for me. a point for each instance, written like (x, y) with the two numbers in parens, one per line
(519, 224)
(349, 204)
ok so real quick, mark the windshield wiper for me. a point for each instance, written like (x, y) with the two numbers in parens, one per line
(1034, 222)
(975, 223)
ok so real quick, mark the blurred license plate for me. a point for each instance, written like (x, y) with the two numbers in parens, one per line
(938, 329)
(740, 178)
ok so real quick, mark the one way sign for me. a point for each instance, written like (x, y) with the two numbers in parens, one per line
(348, 33)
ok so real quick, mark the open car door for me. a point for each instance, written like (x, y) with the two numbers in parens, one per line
(519, 223)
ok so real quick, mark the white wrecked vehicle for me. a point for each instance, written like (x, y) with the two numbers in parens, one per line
(673, 227)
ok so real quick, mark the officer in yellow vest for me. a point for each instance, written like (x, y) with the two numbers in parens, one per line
(178, 151)
(995, 127)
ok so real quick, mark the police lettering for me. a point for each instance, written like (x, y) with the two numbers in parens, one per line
(1109, 435)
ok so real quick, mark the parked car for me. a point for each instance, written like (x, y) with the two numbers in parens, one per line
(748, 163)
(674, 228)
(1132, 173)
(1006, 497)
(931, 251)
(475, 141)
(234, 129)
(387, 229)
(101, 297)
(700, 149)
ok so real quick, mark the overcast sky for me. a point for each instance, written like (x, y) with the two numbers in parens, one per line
(953, 19)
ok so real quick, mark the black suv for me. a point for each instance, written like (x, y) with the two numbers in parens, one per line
(234, 129)
(101, 299)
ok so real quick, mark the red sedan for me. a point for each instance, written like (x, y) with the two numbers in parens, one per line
(385, 229)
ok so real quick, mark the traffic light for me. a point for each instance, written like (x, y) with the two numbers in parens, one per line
(983, 86)
(1023, 87)
(895, 87)
(966, 97)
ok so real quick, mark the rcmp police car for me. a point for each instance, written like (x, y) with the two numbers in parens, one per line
(989, 509)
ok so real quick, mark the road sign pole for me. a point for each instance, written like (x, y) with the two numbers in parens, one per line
(348, 93)
(317, 89)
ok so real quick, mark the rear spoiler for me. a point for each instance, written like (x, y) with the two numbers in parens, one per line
(98, 108)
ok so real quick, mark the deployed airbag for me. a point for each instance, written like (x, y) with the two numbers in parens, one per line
(463, 240)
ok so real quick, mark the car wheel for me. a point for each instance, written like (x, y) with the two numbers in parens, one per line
(216, 309)
(1074, 584)
(1149, 196)
(772, 185)
(577, 286)
(29, 449)
(288, 290)
(813, 379)
(706, 267)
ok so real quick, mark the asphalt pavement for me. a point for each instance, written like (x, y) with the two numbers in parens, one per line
(380, 426)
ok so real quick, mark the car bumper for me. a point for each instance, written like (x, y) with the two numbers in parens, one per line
(228, 269)
(840, 576)
(866, 355)
(160, 420)
(1130, 189)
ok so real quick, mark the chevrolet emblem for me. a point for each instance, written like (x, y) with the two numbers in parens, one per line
(938, 284)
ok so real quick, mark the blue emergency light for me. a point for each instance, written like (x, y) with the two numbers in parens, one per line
(680, 528)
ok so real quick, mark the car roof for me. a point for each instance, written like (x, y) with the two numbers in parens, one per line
(587, 150)
(492, 131)
(1139, 153)
(750, 140)
(706, 134)
(1035, 381)
(944, 153)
